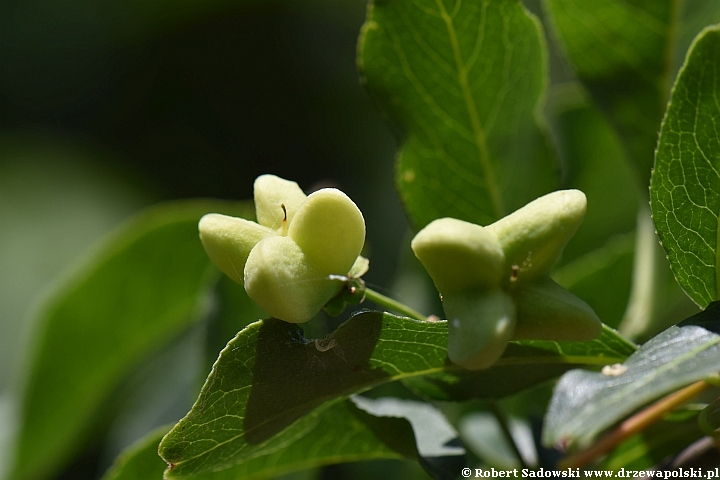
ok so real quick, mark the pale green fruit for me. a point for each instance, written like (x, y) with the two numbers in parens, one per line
(229, 240)
(480, 325)
(330, 229)
(459, 255)
(546, 311)
(534, 236)
(286, 262)
(276, 201)
(284, 282)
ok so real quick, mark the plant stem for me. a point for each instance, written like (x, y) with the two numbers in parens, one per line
(635, 424)
(505, 427)
(392, 304)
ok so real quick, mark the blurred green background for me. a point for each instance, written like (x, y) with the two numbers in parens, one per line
(107, 107)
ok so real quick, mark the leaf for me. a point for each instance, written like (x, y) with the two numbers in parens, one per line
(594, 162)
(140, 461)
(439, 449)
(621, 51)
(435, 436)
(271, 390)
(585, 403)
(463, 82)
(587, 277)
(484, 436)
(523, 365)
(136, 292)
(378, 437)
(685, 185)
(709, 419)
(7, 429)
(54, 204)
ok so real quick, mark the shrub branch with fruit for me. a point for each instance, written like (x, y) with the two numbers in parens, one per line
(556, 329)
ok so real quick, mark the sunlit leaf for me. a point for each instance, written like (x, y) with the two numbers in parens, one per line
(685, 188)
(371, 437)
(271, 388)
(462, 82)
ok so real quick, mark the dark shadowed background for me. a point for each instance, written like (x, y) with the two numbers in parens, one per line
(106, 107)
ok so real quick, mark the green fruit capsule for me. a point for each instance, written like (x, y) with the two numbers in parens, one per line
(285, 282)
(330, 230)
(276, 201)
(288, 261)
(534, 236)
(480, 325)
(229, 240)
(459, 255)
(546, 311)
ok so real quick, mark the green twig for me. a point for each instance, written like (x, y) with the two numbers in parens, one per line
(391, 304)
(635, 424)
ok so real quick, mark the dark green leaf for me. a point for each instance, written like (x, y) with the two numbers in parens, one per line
(271, 388)
(135, 293)
(524, 364)
(622, 52)
(709, 419)
(685, 187)
(585, 403)
(140, 461)
(587, 277)
(594, 162)
(603, 246)
(463, 82)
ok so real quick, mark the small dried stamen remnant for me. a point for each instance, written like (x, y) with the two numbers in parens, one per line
(282, 205)
(614, 370)
(325, 344)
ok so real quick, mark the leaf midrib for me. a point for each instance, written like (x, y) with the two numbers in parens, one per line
(477, 127)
